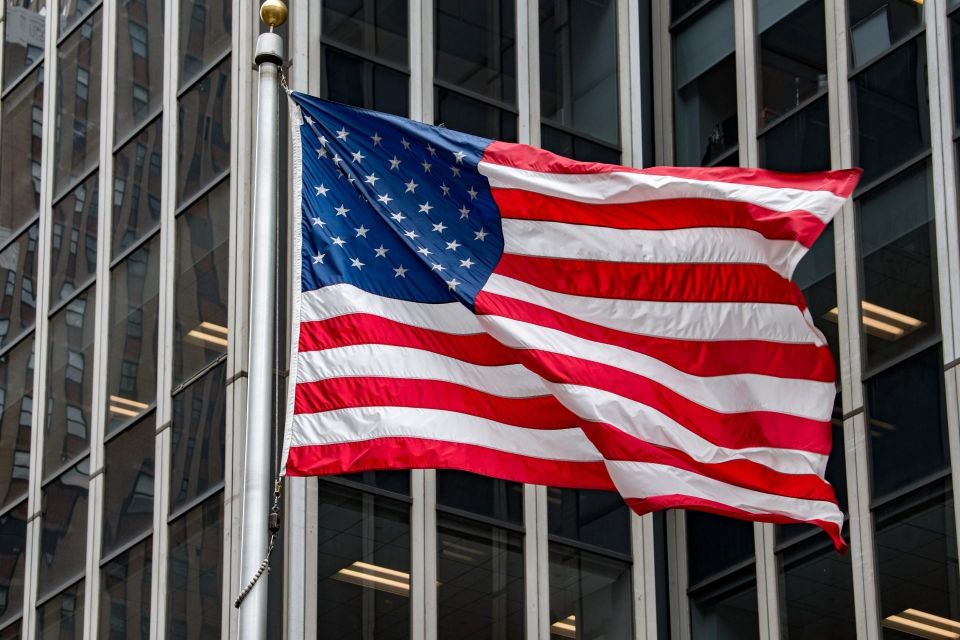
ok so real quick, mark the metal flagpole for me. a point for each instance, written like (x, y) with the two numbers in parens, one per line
(257, 487)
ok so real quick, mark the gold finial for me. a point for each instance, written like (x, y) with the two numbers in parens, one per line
(273, 13)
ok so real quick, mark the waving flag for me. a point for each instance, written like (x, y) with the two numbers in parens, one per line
(477, 305)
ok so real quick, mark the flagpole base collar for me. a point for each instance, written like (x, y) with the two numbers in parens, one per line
(269, 49)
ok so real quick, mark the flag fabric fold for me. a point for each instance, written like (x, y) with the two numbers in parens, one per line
(490, 307)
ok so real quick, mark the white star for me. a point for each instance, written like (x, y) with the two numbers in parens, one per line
(341, 211)
(445, 189)
(459, 156)
(424, 251)
(351, 179)
(425, 208)
(453, 246)
(464, 212)
(318, 222)
(338, 241)
(342, 134)
(436, 267)
(371, 180)
(308, 120)
(318, 259)
(394, 163)
(452, 284)
(466, 263)
(336, 158)
(411, 187)
(322, 191)
(473, 193)
(399, 217)
(356, 263)
(357, 156)
(426, 166)
(406, 145)
(455, 171)
(323, 141)
(376, 139)
(321, 153)
(385, 198)
(432, 151)
(480, 235)
(439, 227)
(413, 235)
(381, 251)
(361, 231)
(400, 272)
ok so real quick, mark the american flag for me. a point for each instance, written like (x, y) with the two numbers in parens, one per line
(491, 307)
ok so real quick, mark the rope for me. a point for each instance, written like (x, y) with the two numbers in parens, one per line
(274, 525)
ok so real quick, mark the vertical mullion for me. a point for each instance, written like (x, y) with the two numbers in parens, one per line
(543, 563)
(662, 81)
(644, 577)
(625, 70)
(678, 575)
(632, 87)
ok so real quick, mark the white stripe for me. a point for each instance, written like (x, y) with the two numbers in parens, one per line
(383, 361)
(645, 480)
(648, 424)
(620, 187)
(735, 393)
(697, 245)
(367, 423)
(344, 299)
(674, 320)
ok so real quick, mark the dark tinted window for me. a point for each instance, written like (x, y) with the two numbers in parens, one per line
(478, 494)
(598, 518)
(16, 412)
(590, 595)
(24, 28)
(205, 30)
(61, 618)
(74, 240)
(353, 80)
(20, 151)
(195, 572)
(203, 134)
(128, 485)
(63, 536)
(199, 423)
(13, 558)
(139, 84)
(136, 187)
(125, 595)
(876, 25)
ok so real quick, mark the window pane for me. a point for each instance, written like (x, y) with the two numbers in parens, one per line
(125, 595)
(376, 28)
(62, 617)
(476, 47)
(352, 80)
(705, 104)
(876, 25)
(128, 485)
(199, 424)
(16, 411)
(63, 538)
(195, 578)
(577, 147)
(730, 613)
(899, 289)
(23, 37)
(69, 383)
(20, 152)
(590, 595)
(816, 277)
(12, 632)
(72, 12)
(136, 187)
(793, 55)
(74, 241)
(599, 518)
(139, 84)
(363, 565)
(203, 144)
(78, 103)
(132, 371)
(817, 588)
(200, 305)
(799, 143)
(460, 113)
(396, 481)
(908, 423)
(715, 544)
(579, 91)
(205, 31)
(480, 592)
(13, 559)
(890, 109)
(679, 7)
(18, 300)
(482, 495)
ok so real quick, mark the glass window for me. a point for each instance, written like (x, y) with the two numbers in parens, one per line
(590, 595)
(139, 83)
(578, 69)
(793, 55)
(199, 424)
(78, 103)
(24, 29)
(13, 560)
(396, 481)
(899, 285)
(908, 424)
(577, 147)
(11, 632)
(352, 80)
(485, 496)
(203, 136)
(18, 276)
(20, 152)
(817, 587)
(69, 383)
(727, 611)
(62, 617)
(363, 565)
(136, 187)
(678, 8)
(890, 110)
(705, 81)
(462, 113)
(132, 358)
(195, 572)
(877, 25)
(128, 485)
(125, 594)
(716, 544)
(205, 32)
(476, 48)
(372, 28)
(801, 142)
(200, 304)
(63, 538)
(72, 12)
(598, 518)
(816, 277)
(74, 241)
(16, 412)
(480, 593)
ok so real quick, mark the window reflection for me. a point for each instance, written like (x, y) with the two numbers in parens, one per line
(727, 611)
(199, 424)
(485, 496)
(590, 596)
(577, 147)
(476, 48)
(462, 113)
(801, 142)
(195, 573)
(128, 485)
(18, 275)
(24, 29)
(62, 617)
(203, 144)
(16, 412)
(205, 31)
(69, 383)
(74, 240)
(71, 11)
(11, 632)
(817, 587)
(136, 187)
(716, 544)
(816, 277)
(20, 151)
(139, 79)
(597, 518)
(125, 595)
(63, 537)
(373, 28)
(877, 25)
(13, 560)
(352, 80)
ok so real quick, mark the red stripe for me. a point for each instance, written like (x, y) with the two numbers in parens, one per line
(658, 215)
(656, 503)
(541, 412)
(521, 156)
(659, 282)
(422, 453)
(697, 357)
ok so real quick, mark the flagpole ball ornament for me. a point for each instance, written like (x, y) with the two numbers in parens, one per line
(273, 13)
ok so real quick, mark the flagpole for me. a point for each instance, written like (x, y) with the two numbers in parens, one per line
(257, 487)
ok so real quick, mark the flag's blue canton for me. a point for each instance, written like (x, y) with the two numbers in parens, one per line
(393, 206)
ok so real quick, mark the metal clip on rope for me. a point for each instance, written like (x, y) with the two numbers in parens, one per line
(274, 527)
